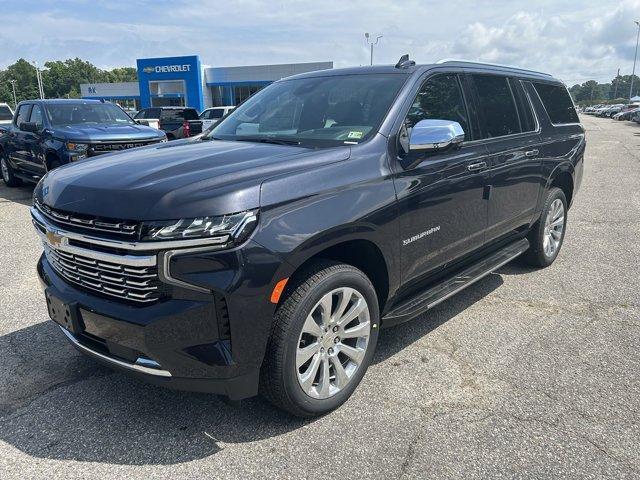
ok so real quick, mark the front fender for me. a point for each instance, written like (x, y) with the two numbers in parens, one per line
(305, 213)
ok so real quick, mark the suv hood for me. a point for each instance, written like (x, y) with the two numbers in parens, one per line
(166, 182)
(102, 133)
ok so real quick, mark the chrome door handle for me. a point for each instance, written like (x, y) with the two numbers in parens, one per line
(476, 166)
(531, 153)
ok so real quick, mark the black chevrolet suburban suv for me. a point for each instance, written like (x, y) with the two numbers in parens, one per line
(265, 256)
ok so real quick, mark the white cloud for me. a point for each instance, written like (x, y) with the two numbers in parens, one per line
(572, 40)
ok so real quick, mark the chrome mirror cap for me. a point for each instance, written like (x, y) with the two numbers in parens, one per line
(431, 135)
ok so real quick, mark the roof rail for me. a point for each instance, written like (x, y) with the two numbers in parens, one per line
(455, 60)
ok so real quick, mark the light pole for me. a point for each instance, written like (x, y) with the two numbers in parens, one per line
(371, 44)
(633, 73)
(39, 78)
(15, 99)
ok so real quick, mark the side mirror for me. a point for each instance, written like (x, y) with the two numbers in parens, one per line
(29, 127)
(435, 135)
(430, 136)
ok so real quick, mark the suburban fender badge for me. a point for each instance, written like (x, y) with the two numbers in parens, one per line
(420, 235)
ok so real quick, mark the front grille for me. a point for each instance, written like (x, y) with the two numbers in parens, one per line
(85, 222)
(130, 283)
(98, 148)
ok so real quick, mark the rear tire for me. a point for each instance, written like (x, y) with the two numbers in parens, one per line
(317, 353)
(6, 172)
(547, 235)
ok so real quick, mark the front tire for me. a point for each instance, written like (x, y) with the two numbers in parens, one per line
(323, 339)
(547, 235)
(6, 172)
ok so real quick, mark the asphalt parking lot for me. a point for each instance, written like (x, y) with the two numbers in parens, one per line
(527, 374)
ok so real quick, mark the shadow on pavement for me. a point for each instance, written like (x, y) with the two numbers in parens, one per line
(22, 194)
(57, 404)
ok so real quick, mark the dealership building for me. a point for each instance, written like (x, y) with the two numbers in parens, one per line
(185, 81)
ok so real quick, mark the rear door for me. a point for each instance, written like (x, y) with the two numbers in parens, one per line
(443, 214)
(511, 133)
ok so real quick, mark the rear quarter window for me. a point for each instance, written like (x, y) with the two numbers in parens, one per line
(557, 103)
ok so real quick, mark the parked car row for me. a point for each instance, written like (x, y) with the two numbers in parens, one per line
(44, 134)
(620, 111)
(181, 122)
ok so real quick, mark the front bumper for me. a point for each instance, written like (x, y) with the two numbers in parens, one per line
(211, 338)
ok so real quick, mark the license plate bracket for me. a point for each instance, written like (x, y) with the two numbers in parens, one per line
(64, 314)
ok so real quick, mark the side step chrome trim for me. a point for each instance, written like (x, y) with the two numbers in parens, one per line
(142, 365)
(431, 297)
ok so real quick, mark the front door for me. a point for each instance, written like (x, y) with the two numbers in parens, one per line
(443, 213)
(34, 154)
(18, 153)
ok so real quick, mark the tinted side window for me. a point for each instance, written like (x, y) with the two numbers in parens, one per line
(557, 102)
(527, 118)
(440, 98)
(23, 114)
(140, 114)
(36, 116)
(497, 106)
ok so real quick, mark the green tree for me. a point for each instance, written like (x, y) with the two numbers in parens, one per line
(26, 84)
(123, 74)
(61, 78)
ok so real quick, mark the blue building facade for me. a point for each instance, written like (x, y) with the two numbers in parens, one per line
(185, 81)
(171, 81)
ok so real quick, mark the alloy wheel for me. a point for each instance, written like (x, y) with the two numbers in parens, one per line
(333, 342)
(553, 228)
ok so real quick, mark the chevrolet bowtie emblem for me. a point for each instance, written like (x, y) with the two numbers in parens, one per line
(54, 239)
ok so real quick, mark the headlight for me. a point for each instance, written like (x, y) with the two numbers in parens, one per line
(77, 147)
(226, 229)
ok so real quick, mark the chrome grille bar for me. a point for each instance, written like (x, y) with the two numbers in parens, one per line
(94, 224)
(89, 273)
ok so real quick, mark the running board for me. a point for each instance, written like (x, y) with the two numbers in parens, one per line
(428, 299)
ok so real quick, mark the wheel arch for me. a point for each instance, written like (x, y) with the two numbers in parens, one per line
(562, 177)
(51, 156)
(361, 253)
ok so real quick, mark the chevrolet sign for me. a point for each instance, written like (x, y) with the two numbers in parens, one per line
(167, 69)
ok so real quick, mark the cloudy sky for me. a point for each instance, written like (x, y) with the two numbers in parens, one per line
(574, 40)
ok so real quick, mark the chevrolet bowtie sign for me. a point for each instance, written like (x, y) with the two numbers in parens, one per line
(167, 69)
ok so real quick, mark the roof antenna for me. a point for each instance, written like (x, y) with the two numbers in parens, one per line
(404, 62)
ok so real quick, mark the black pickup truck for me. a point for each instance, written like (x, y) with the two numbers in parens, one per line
(176, 122)
(265, 256)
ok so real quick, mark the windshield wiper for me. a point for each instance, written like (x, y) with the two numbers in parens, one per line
(275, 141)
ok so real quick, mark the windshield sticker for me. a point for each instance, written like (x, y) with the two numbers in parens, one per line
(354, 135)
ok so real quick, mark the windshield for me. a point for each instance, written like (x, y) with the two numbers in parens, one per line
(5, 113)
(63, 114)
(315, 112)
